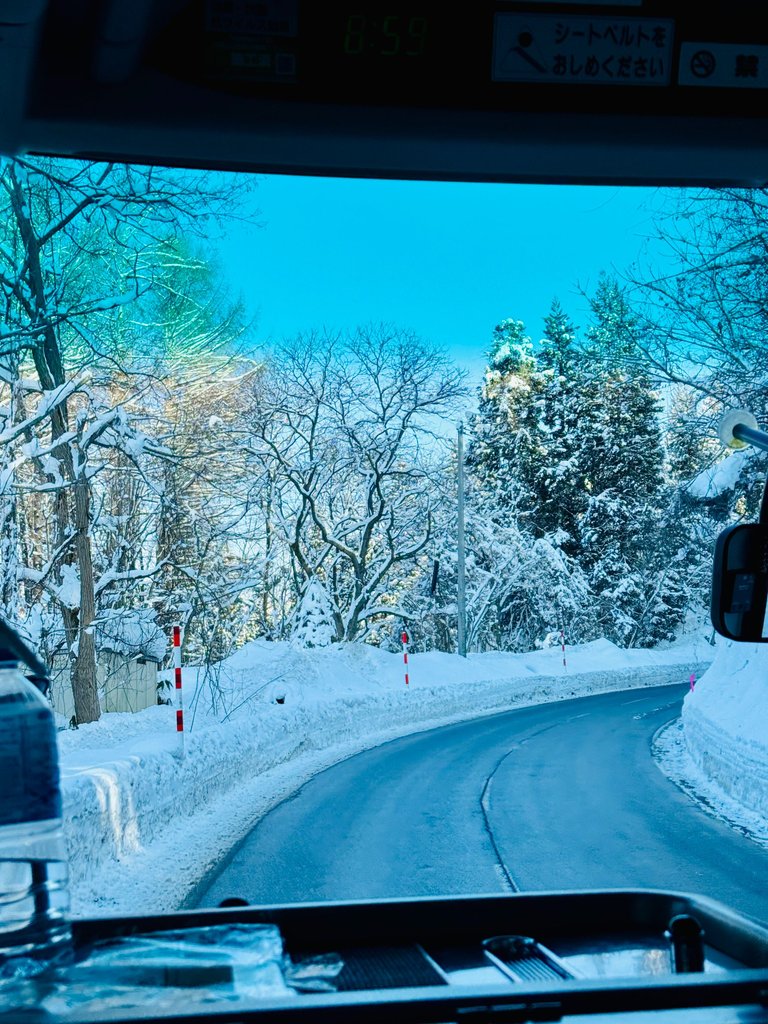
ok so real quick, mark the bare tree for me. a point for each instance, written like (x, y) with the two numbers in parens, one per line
(706, 318)
(350, 427)
(80, 243)
(705, 327)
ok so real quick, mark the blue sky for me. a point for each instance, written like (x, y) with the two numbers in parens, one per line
(447, 260)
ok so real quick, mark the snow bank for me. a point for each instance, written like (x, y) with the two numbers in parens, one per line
(724, 724)
(145, 825)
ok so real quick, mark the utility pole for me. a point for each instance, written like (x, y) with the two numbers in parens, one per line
(461, 597)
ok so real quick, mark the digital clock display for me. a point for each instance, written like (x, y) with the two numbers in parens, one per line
(390, 35)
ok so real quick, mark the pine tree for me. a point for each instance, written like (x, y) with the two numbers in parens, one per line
(554, 470)
(314, 624)
(614, 332)
(629, 544)
(578, 463)
(521, 584)
(504, 428)
(558, 352)
(626, 453)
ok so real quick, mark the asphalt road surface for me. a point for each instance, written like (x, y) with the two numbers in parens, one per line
(558, 796)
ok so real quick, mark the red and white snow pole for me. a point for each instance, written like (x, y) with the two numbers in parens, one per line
(177, 679)
(562, 646)
(405, 638)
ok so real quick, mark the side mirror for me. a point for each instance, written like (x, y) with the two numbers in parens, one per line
(740, 583)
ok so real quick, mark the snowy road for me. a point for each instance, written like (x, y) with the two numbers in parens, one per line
(561, 795)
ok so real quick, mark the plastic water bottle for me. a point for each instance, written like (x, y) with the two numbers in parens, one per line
(34, 898)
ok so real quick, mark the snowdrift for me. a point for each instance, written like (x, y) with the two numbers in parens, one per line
(724, 723)
(145, 825)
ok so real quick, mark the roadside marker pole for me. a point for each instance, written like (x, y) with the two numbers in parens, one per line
(404, 637)
(562, 646)
(177, 676)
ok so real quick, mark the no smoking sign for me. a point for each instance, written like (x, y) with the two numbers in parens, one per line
(724, 65)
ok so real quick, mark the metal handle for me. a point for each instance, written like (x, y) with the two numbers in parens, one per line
(750, 435)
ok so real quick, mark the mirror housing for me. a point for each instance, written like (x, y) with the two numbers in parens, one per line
(740, 583)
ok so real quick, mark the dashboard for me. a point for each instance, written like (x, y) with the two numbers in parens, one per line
(608, 956)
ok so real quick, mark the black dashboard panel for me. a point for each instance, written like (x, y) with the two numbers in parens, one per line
(495, 90)
(547, 956)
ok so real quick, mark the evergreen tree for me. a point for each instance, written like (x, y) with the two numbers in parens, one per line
(575, 466)
(314, 623)
(614, 332)
(628, 541)
(522, 583)
(554, 471)
(690, 443)
(626, 450)
(504, 429)
(558, 352)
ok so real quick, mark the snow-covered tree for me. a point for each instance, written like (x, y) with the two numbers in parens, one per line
(706, 319)
(629, 540)
(347, 426)
(503, 431)
(78, 246)
(208, 537)
(705, 324)
(580, 483)
(564, 412)
(558, 352)
(523, 582)
(314, 621)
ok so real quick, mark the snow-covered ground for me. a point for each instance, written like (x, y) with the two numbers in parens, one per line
(718, 751)
(145, 825)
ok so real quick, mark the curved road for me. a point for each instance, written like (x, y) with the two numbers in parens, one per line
(557, 796)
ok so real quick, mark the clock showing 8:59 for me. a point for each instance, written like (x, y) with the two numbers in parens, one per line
(385, 35)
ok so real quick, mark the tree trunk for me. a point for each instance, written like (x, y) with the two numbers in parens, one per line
(84, 683)
(9, 528)
(48, 362)
(266, 583)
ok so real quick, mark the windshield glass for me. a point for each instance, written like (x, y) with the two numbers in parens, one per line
(366, 529)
